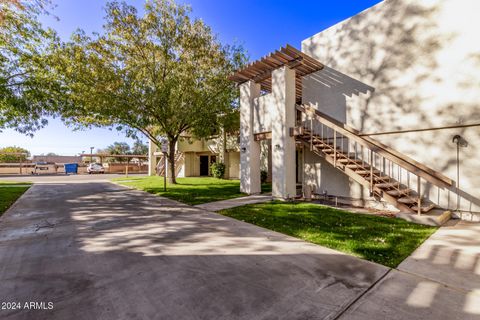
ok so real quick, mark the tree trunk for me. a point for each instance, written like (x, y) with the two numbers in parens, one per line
(171, 161)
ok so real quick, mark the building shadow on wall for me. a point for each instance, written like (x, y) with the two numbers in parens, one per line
(377, 46)
(330, 89)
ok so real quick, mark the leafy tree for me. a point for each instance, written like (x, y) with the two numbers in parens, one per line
(139, 148)
(28, 90)
(13, 154)
(118, 148)
(161, 73)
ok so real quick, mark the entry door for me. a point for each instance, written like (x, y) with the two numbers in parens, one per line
(204, 165)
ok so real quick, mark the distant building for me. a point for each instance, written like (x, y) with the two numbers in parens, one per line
(195, 156)
(57, 159)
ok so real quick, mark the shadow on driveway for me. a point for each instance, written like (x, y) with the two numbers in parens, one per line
(100, 251)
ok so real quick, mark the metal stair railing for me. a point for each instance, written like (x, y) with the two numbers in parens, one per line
(348, 150)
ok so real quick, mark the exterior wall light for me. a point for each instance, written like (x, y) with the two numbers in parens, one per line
(460, 141)
(243, 149)
(277, 147)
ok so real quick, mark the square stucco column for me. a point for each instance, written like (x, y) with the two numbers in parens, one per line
(283, 145)
(152, 159)
(249, 148)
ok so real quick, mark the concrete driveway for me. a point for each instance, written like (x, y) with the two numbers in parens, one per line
(95, 250)
(63, 178)
(99, 251)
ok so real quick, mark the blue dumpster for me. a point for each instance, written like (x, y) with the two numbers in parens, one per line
(71, 168)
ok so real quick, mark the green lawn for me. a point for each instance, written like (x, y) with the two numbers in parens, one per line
(387, 241)
(191, 191)
(9, 194)
(7, 182)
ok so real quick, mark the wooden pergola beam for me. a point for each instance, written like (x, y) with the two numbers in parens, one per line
(268, 73)
(260, 71)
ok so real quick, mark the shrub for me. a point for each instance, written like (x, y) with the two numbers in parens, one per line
(263, 176)
(218, 170)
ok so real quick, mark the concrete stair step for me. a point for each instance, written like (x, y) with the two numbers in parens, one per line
(435, 217)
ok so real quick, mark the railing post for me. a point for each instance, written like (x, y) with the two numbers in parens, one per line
(363, 156)
(311, 133)
(371, 172)
(419, 205)
(334, 148)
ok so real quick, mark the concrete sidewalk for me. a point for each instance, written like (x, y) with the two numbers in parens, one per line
(440, 280)
(236, 202)
(451, 256)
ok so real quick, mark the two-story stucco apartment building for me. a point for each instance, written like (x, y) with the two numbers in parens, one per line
(194, 157)
(381, 109)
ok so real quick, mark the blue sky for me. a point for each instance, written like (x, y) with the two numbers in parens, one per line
(260, 25)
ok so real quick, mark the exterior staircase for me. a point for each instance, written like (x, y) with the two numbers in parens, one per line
(179, 158)
(388, 174)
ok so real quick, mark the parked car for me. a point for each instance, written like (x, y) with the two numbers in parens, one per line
(95, 168)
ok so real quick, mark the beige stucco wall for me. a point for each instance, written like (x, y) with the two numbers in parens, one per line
(191, 145)
(192, 163)
(234, 165)
(405, 64)
(191, 166)
(194, 148)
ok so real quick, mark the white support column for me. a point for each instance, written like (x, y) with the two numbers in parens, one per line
(283, 145)
(249, 148)
(152, 158)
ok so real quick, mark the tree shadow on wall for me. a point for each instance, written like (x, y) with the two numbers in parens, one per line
(377, 46)
(379, 64)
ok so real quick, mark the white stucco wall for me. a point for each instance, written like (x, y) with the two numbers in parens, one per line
(283, 145)
(262, 113)
(400, 65)
(249, 148)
